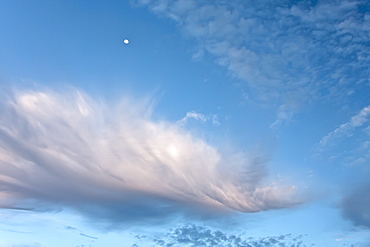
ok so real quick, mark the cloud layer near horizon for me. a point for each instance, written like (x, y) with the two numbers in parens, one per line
(195, 235)
(65, 150)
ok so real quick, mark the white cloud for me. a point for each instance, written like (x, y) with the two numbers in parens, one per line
(115, 163)
(213, 118)
(197, 116)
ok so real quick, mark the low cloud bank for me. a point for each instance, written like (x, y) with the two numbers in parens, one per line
(194, 235)
(115, 163)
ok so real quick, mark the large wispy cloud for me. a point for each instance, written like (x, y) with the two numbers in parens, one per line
(287, 52)
(113, 162)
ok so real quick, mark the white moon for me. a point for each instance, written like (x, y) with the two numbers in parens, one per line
(126, 41)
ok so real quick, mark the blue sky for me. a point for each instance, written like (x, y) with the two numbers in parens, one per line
(221, 123)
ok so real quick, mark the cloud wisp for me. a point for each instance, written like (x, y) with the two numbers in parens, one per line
(213, 118)
(355, 133)
(115, 163)
(346, 129)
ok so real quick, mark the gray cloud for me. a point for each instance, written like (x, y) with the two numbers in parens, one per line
(74, 229)
(87, 236)
(116, 164)
(287, 52)
(194, 235)
(355, 205)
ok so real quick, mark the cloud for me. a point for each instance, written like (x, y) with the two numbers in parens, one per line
(355, 205)
(194, 235)
(193, 115)
(200, 117)
(355, 152)
(87, 236)
(71, 228)
(116, 164)
(287, 53)
(74, 229)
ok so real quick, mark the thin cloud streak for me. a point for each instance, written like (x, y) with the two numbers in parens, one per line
(116, 164)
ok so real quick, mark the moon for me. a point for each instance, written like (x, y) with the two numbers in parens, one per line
(126, 41)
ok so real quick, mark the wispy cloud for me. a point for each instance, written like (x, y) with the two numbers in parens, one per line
(74, 229)
(213, 118)
(353, 133)
(116, 164)
(346, 129)
(193, 115)
(87, 236)
(287, 52)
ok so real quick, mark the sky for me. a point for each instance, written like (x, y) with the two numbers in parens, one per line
(220, 123)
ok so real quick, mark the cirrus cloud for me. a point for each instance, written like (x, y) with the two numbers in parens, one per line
(116, 164)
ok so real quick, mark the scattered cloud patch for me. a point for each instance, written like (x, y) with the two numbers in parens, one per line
(194, 235)
(114, 163)
(286, 52)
